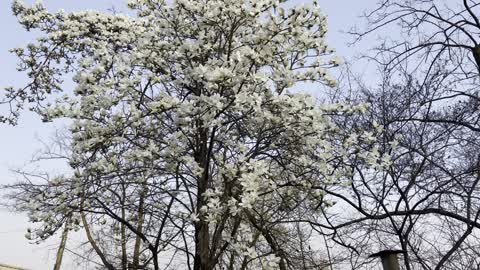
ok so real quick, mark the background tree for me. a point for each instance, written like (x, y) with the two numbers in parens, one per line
(426, 201)
(432, 32)
(446, 34)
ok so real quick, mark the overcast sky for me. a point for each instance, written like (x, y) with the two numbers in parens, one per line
(18, 144)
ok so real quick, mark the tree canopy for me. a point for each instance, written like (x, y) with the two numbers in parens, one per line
(188, 147)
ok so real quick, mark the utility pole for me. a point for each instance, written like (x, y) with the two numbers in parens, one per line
(389, 258)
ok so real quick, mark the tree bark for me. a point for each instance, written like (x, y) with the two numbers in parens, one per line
(138, 240)
(63, 243)
(94, 244)
(202, 237)
(123, 234)
(476, 56)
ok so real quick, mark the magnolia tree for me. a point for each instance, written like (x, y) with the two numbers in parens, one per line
(185, 138)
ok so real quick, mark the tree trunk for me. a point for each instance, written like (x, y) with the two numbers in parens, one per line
(123, 234)
(201, 261)
(63, 243)
(138, 240)
(94, 243)
(202, 237)
(476, 56)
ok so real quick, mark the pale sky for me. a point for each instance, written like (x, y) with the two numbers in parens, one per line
(19, 143)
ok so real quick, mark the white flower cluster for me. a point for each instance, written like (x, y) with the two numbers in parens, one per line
(213, 208)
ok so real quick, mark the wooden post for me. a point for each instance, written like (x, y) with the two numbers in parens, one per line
(389, 259)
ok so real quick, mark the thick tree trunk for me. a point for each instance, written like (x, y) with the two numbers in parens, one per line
(201, 247)
(202, 237)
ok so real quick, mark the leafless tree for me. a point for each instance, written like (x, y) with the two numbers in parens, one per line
(427, 201)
